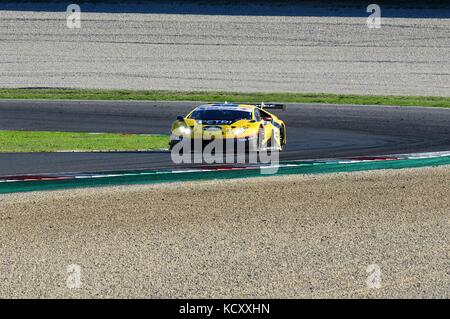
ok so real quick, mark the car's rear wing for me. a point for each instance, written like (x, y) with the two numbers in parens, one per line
(263, 105)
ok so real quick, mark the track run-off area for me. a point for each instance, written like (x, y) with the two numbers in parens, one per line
(193, 45)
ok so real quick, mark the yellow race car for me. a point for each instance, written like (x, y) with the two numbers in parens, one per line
(250, 125)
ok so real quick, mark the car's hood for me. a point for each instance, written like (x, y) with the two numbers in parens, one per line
(218, 128)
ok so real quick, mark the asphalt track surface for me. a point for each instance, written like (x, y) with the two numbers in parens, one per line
(314, 131)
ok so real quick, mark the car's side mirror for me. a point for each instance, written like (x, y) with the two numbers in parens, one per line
(180, 118)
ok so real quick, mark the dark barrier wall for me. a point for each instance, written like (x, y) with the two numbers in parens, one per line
(351, 8)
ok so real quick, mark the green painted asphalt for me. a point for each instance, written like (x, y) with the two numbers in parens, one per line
(155, 177)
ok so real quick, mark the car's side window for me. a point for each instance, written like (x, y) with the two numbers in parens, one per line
(265, 114)
(257, 115)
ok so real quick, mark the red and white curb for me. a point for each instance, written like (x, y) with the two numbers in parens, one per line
(209, 168)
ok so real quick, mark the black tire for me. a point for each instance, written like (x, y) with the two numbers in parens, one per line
(260, 139)
(282, 137)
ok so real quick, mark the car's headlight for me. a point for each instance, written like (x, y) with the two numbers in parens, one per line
(238, 131)
(184, 130)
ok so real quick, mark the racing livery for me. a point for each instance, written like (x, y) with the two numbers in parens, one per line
(251, 124)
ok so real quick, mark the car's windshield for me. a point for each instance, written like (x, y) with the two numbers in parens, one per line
(227, 115)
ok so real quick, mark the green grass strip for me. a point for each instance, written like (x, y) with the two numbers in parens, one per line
(155, 178)
(211, 96)
(31, 141)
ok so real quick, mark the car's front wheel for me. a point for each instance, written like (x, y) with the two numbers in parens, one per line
(260, 139)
